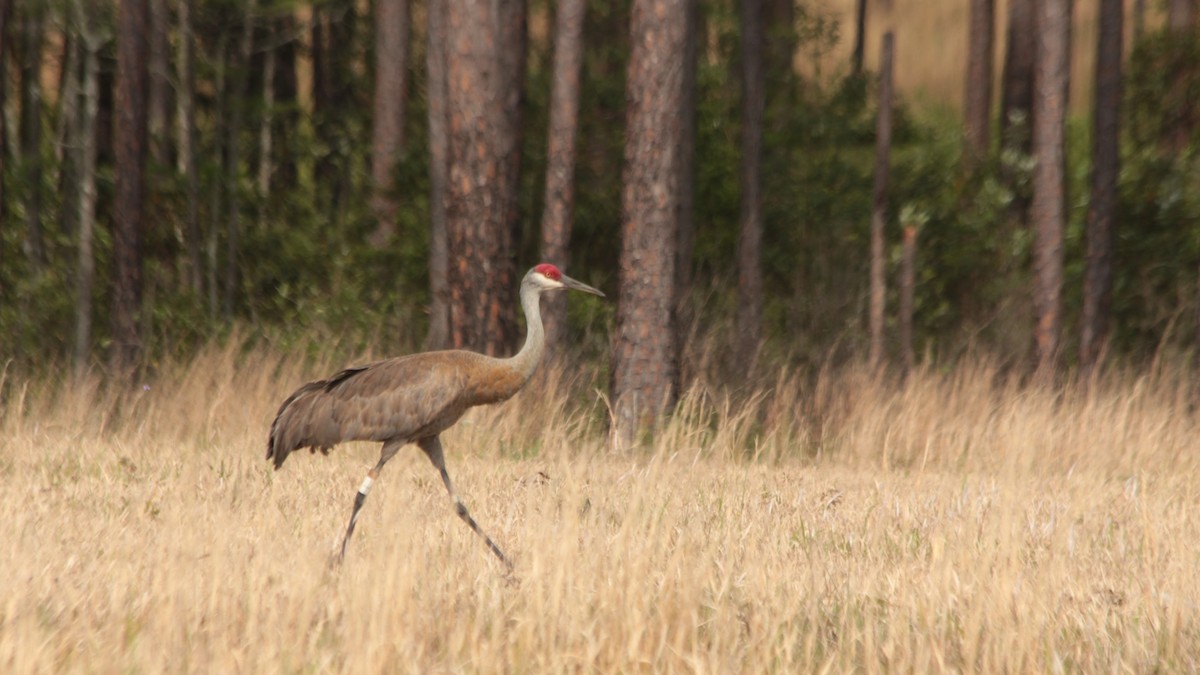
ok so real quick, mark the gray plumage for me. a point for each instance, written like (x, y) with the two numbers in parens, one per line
(412, 399)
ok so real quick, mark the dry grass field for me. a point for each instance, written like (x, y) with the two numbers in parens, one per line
(962, 522)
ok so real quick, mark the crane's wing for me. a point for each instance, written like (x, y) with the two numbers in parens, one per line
(404, 398)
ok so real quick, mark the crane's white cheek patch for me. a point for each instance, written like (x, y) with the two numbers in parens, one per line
(366, 485)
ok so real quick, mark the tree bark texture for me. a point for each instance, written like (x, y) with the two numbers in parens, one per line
(1102, 211)
(6, 13)
(439, 149)
(129, 198)
(644, 361)
(387, 124)
(1048, 208)
(86, 138)
(186, 143)
(908, 285)
(750, 225)
(559, 200)
(686, 237)
(160, 85)
(977, 107)
(31, 137)
(485, 63)
(879, 201)
(233, 161)
(1016, 105)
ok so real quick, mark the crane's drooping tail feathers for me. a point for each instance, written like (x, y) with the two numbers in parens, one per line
(305, 418)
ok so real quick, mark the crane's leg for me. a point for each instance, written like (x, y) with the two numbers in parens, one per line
(389, 450)
(433, 448)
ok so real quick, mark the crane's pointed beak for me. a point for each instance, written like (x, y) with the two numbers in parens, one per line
(570, 283)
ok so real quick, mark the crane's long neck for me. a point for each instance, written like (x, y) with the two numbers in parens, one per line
(526, 360)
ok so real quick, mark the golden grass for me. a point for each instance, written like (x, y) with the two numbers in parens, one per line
(961, 522)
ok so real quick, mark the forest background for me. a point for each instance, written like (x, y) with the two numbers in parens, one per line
(271, 197)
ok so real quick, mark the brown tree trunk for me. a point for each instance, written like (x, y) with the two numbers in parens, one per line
(908, 285)
(686, 238)
(6, 7)
(31, 138)
(266, 163)
(879, 201)
(485, 59)
(749, 249)
(439, 260)
(285, 88)
(560, 160)
(160, 85)
(233, 161)
(85, 136)
(129, 199)
(1101, 222)
(1016, 105)
(1048, 210)
(1181, 14)
(186, 143)
(977, 107)
(860, 36)
(387, 136)
(643, 346)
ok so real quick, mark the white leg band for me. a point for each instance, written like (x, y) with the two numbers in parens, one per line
(366, 485)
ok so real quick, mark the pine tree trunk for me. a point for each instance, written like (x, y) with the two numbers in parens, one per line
(686, 238)
(129, 198)
(560, 161)
(267, 121)
(387, 137)
(66, 142)
(978, 105)
(908, 285)
(750, 226)
(31, 138)
(644, 361)
(85, 135)
(6, 7)
(860, 36)
(879, 201)
(1016, 105)
(484, 96)
(1101, 222)
(186, 143)
(160, 84)
(233, 161)
(285, 89)
(1048, 209)
(439, 291)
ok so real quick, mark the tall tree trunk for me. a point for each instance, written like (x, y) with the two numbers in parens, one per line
(1101, 222)
(266, 124)
(860, 36)
(285, 99)
(484, 61)
(1177, 131)
(160, 83)
(750, 226)
(908, 285)
(233, 159)
(686, 237)
(978, 105)
(643, 346)
(186, 143)
(1016, 104)
(1181, 14)
(129, 199)
(1048, 210)
(85, 135)
(560, 160)
(439, 149)
(6, 7)
(879, 200)
(387, 136)
(31, 138)
(66, 142)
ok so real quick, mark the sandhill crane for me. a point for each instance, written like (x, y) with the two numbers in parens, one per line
(413, 399)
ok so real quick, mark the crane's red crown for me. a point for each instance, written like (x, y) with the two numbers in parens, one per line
(549, 271)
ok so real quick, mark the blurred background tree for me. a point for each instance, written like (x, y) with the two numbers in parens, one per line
(352, 173)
